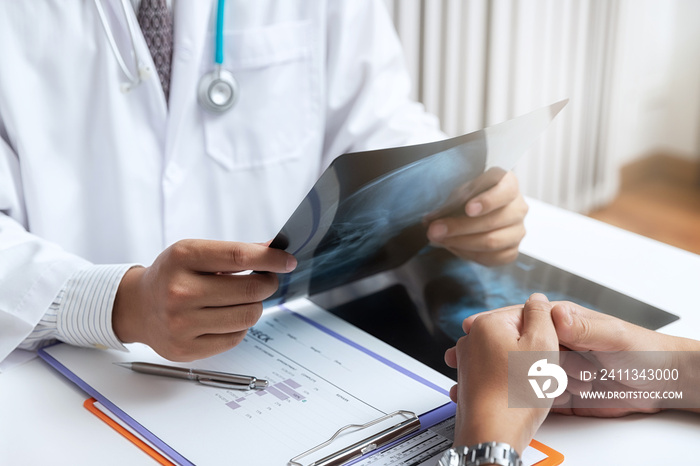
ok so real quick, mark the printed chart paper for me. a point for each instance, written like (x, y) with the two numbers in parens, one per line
(318, 384)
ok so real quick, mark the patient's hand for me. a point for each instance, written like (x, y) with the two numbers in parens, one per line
(581, 329)
(585, 330)
(481, 359)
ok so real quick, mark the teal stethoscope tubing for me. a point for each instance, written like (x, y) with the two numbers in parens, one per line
(217, 90)
(219, 55)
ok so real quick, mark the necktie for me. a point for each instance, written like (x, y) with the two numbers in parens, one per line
(156, 24)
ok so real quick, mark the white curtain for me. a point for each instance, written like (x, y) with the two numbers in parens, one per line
(479, 62)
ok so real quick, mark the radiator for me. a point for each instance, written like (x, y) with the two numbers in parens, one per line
(479, 62)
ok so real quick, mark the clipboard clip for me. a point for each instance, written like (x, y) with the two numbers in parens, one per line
(409, 424)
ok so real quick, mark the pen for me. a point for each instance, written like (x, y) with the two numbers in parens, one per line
(210, 378)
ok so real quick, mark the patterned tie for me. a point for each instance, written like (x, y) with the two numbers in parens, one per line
(157, 27)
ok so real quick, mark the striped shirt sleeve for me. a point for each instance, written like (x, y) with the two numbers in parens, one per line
(81, 314)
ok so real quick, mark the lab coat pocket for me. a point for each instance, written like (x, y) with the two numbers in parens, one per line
(270, 122)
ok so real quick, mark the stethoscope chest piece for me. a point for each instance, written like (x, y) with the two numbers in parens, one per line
(218, 90)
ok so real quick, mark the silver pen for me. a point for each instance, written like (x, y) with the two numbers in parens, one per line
(210, 378)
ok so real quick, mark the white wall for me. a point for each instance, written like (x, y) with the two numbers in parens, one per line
(480, 62)
(631, 69)
(656, 80)
(682, 128)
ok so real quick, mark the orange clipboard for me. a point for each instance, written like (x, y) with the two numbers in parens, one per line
(89, 404)
(554, 458)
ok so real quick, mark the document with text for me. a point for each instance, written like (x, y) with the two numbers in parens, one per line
(323, 374)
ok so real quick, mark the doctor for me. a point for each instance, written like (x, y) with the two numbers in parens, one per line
(110, 159)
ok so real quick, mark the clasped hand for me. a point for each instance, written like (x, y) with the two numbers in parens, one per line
(481, 359)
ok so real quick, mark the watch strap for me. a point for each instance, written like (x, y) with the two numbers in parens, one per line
(498, 453)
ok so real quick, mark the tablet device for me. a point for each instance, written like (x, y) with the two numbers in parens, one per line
(421, 310)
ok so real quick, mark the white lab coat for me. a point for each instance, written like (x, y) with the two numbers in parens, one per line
(89, 174)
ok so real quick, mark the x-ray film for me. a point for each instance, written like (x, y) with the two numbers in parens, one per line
(435, 291)
(369, 211)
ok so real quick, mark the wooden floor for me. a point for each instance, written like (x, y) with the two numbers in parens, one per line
(659, 198)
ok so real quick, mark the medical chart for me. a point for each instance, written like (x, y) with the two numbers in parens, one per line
(319, 381)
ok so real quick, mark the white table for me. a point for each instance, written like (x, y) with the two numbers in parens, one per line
(42, 420)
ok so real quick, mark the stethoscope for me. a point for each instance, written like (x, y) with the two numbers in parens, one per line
(217, 90)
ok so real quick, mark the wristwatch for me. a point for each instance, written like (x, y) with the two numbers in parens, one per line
(484, 453)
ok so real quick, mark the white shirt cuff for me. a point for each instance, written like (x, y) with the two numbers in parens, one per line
(84, 314)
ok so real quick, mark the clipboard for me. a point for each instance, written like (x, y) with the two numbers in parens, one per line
(337, 363)
(404, 429)
(346, 349)
(101, 379)
(407, 424)
(554, 458)
(89, 404)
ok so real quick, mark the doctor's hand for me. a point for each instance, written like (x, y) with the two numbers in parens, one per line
(188, 305)
(491, 228)
(481, 359)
